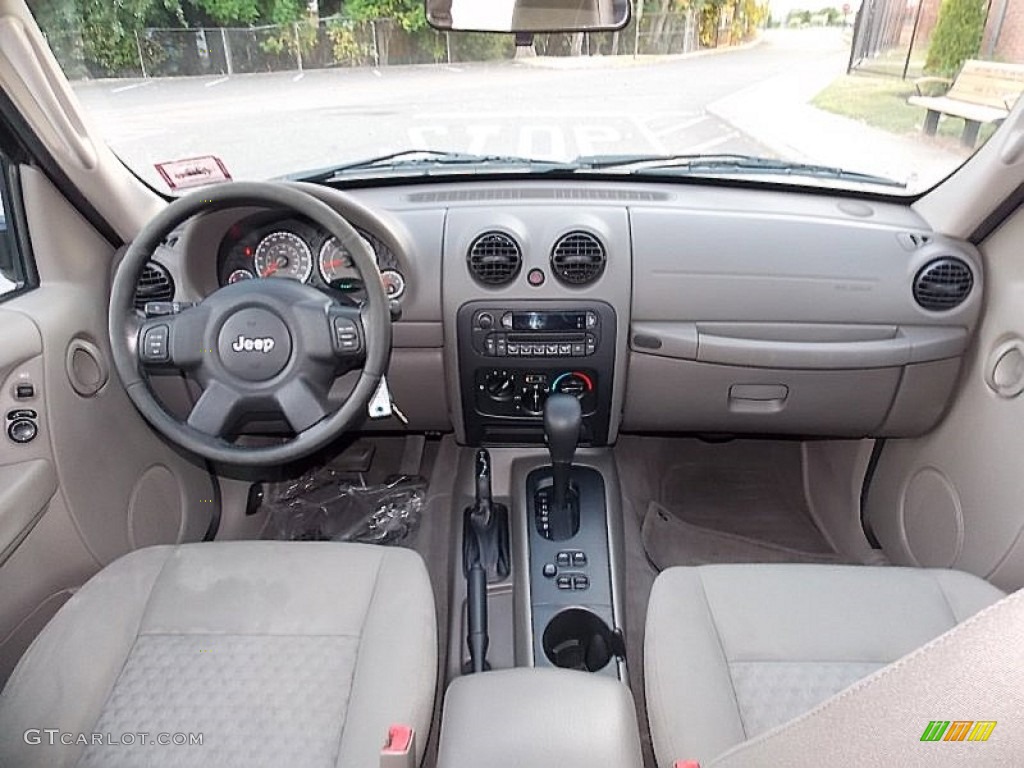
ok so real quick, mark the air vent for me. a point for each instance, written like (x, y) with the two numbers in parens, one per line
(155, 284)
(943, 284)
(494, 258)
(577, 258)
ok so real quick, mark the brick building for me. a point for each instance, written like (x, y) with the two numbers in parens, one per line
(1004, 30)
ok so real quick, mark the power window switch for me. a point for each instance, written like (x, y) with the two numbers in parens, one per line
(579, 559)
(564, 582)
(563, 559)
(580, 582)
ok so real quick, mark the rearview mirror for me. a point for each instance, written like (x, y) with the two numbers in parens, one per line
(528, 15)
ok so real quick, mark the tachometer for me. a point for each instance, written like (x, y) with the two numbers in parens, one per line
(283, 254)
(336, 267)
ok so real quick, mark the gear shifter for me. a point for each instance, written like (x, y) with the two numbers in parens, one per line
(562, 420)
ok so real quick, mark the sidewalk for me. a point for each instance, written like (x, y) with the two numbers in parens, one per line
(777, 114)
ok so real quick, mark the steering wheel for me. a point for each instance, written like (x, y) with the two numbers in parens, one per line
(256, 347)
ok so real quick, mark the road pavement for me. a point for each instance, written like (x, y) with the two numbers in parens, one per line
(276, 123)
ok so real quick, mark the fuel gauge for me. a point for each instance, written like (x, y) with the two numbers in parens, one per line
(394, 283)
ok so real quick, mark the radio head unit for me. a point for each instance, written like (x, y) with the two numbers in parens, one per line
(557, 332)
(557, 320)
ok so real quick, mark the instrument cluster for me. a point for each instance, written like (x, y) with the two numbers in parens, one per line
(266, 246)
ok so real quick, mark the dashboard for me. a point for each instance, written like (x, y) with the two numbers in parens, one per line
(695, 309)
(266, 246)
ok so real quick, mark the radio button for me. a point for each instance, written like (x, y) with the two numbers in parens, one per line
(551, 349)
(513, 348)
(500, 347)
(591, 320)
(565, 349)
(579, 349)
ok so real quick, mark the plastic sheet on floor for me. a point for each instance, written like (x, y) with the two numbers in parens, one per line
(323, 505)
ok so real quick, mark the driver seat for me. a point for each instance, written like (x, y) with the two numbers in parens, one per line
(278, 653)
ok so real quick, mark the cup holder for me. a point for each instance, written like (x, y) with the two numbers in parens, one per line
(580, 639)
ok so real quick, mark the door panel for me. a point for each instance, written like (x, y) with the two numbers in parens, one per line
(953, 497)
(28, 479)
(96, 481)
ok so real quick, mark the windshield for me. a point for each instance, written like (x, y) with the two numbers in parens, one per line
(874, 97)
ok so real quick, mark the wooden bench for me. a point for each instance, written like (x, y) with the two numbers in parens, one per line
(982, 92)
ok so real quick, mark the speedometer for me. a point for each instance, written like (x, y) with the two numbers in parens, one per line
(283, 254)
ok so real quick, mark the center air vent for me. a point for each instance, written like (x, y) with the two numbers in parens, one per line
(155, 284)
(577, 258)
(943, 284)
(494, 258)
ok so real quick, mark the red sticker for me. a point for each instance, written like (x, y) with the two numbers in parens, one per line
(193, 172)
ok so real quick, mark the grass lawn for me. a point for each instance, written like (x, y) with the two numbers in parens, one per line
(882, 102)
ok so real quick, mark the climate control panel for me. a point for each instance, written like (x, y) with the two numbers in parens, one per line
(511, 392)
(512, 357)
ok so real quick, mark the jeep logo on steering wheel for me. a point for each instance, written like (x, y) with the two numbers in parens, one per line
(245, 344)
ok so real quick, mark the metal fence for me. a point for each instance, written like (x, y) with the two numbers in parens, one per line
(341, 42)
(885, 39)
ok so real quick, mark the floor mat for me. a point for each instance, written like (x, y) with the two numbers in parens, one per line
(752, 489)
(670, 541)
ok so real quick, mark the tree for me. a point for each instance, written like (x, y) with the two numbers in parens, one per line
(408, 14)
(957, 36)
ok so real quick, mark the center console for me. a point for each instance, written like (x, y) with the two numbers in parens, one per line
(535, 373)
(514, 354)
(538, 717)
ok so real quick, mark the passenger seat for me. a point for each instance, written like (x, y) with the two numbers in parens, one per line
(734, 651)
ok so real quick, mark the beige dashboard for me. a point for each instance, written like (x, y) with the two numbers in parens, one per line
(735, 311)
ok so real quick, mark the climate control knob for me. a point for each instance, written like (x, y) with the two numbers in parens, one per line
(500, 385)
(534, 397)
(574, 383)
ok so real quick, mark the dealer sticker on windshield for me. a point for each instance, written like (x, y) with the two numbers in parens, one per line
(193, 172)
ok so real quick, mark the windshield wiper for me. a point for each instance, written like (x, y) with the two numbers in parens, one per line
(426, 160)
(725, 163)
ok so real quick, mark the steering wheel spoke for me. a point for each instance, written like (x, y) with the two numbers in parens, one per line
(216, 410)
(301, 404)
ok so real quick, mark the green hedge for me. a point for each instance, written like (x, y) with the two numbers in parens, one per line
(957, 36)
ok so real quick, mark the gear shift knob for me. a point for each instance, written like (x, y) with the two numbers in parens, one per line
(562, 419)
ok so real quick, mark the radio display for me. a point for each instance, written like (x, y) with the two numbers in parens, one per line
(549, 321)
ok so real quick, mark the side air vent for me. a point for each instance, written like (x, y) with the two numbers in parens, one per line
(943, 284)
(577, 258)
(494, 258)
(155, 284)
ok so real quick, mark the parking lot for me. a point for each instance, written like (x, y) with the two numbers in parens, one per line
(271, 124)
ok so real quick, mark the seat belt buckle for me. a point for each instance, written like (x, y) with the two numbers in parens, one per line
(686, 764)
(400, 749)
